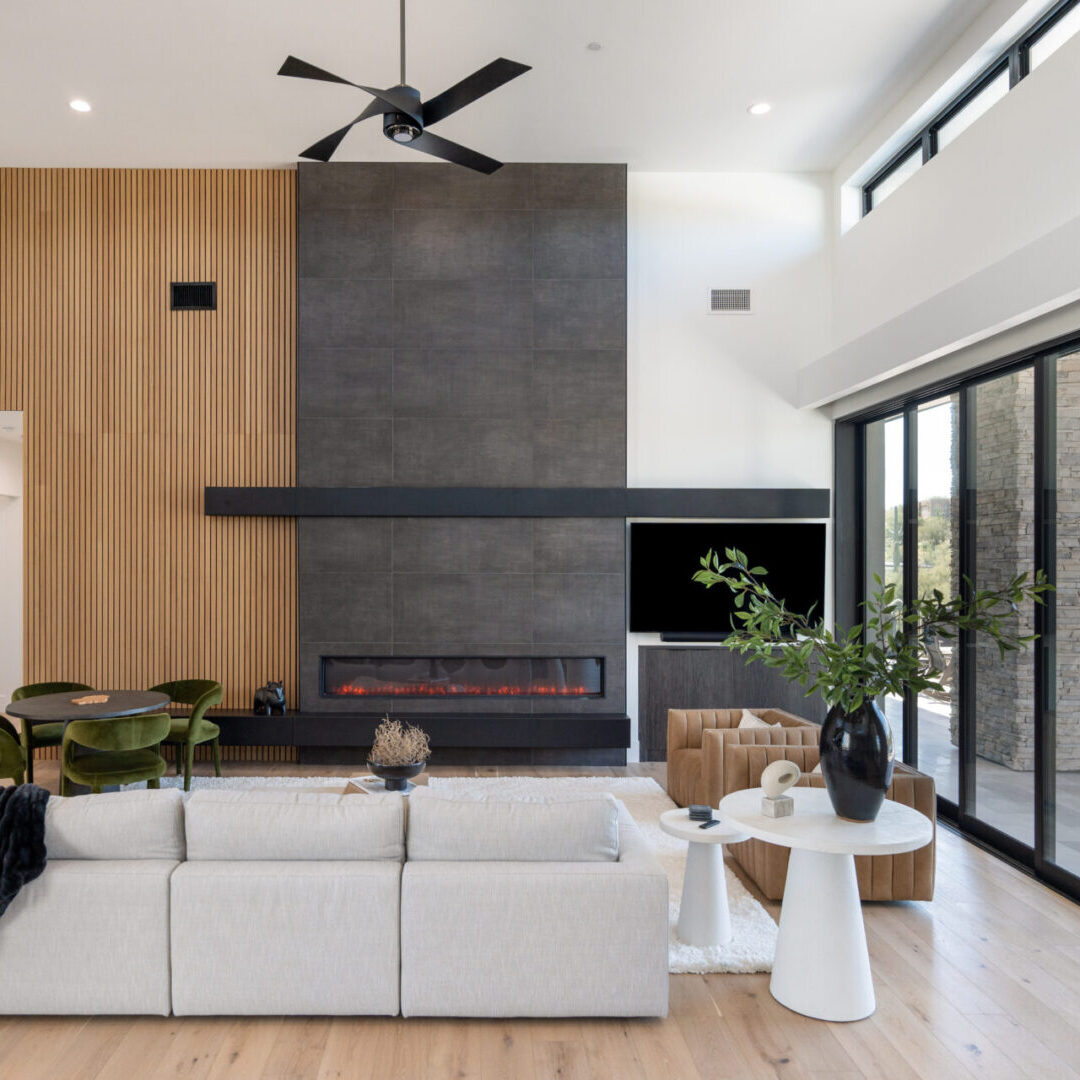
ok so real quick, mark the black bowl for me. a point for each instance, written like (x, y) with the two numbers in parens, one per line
(396, 777)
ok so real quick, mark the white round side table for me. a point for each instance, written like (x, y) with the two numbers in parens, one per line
(822, 967)
(704, 918)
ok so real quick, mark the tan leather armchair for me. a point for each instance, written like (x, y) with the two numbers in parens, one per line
(909, 876)
(696, 740)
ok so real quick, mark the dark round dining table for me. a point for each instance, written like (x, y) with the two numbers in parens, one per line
(61, 708)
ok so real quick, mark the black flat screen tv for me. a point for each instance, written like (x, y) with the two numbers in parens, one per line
(665, 556)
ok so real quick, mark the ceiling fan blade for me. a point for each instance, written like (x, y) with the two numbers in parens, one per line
(397, 99)
(479, 83)
(324, 149)
(393, 100)
(301, 69)
(451, 151)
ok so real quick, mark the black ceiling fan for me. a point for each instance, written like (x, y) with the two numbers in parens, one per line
(405, 116)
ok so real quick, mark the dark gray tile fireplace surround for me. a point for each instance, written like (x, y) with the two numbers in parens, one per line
(460, 330)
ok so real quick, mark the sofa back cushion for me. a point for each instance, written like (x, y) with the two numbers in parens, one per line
(459, 829)
(116, 825)
(253, 825)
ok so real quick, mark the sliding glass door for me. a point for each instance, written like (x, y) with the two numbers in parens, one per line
(1002, 497)
(937, 435)
(967, 488)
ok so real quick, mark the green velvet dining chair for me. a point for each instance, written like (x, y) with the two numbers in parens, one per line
(129, 750)
(188, 731)
(12, 761)
(37, 735)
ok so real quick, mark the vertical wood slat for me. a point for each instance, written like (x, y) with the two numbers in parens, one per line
(131, 409)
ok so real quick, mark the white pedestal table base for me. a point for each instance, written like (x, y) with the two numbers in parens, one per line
(704, 918)
(822, 966)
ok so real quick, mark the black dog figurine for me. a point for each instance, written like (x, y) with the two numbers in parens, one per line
(270, 699)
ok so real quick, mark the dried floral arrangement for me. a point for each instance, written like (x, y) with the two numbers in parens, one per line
(398, 744)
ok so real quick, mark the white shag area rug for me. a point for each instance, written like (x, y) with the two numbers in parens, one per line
(753, 939)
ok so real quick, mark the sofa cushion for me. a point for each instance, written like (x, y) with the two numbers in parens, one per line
(116, 825)
(520, 830)
(89, 936)
(239, 825)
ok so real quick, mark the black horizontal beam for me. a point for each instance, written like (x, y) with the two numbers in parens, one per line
(748, 503)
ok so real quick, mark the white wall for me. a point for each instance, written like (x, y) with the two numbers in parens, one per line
(710, 397)
(983, 238)
(11, 564)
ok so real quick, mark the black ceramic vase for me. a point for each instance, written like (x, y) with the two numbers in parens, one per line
(856, 760)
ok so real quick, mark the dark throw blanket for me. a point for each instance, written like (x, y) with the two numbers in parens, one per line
(22, 838)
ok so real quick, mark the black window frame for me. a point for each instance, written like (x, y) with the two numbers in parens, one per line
(850, 585)
(1014, 59)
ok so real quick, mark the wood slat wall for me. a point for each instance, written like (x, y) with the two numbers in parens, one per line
(131, 409)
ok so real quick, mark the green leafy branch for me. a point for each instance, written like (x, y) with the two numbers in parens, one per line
(888, 652)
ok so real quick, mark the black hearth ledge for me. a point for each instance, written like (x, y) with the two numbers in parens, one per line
(736, 503)
(570, 731)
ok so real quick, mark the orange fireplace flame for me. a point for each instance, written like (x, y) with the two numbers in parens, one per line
(421, 689)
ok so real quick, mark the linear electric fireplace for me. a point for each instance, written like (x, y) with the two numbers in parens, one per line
(462, 676)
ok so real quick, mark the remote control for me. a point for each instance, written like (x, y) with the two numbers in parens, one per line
(709, 824)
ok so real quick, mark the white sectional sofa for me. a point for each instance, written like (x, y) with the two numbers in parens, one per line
(284, 903)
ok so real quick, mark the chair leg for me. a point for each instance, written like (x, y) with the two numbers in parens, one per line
(153, 783)
(65, 784)
(19, 778)
(28, 746)
(189, 761)
(217, 757)
(176, 750)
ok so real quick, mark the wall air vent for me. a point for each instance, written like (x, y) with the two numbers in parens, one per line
(729, 301)
(194, 295)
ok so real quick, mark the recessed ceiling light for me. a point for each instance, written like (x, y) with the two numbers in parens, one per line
(594, 46)
(79, 105)
(759, 108)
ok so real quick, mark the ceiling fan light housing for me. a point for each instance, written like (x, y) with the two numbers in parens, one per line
(401, 128)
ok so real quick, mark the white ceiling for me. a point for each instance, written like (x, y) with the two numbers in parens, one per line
(192, 83)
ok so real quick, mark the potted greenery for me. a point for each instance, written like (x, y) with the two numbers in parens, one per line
(398, 753)
(892, 649)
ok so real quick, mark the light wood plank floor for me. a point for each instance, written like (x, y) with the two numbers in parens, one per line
(983, 982)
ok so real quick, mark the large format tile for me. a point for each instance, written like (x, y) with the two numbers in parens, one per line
(579, 243)
(582, 187)
(455, 314)
(586, 314)
(344, 186)
(463, 382)
(462, 452)
(345, 607)
(579, 453)
(424, 185)
(456, 244)
(462, 607)
(578, 607)
(346, 244)
(345, 313)
(344, 453)
(345, 382)
(463, 544)
(344, 545)
(579, 383)
(571, 545)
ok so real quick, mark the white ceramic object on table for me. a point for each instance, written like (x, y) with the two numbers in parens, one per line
(704, 916)
(778, 777)
(822, 967)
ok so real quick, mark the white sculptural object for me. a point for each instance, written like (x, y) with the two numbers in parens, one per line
(775, 780)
